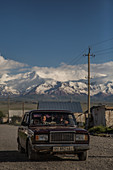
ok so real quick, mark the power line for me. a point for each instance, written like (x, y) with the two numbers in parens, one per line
(103, 50)
(104, 53)
(76, 59)
(101, 42)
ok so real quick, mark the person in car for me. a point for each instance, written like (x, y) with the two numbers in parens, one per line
(63, 121)
(44, 119)
(35, 121)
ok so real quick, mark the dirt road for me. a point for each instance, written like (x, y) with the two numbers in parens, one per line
(100, 155)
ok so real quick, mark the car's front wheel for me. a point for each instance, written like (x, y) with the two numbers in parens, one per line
(83, 156)
(20, 149)
(30, 153)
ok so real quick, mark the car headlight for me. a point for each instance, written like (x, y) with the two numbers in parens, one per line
(41, 137)
(81, 137)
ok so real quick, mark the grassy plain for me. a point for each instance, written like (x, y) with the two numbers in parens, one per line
(5, 106)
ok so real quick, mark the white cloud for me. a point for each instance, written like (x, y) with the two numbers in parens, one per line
(20, 76)
(6, 66)
(74, 72)
(99, 72)
(62, 73)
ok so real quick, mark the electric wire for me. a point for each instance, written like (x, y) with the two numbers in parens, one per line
(101, 42)
(98, 52)
(104, 53)
(76, 62)
(103, 50)
(76, 59)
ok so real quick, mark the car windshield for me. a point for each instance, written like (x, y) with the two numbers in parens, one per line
(54, 118)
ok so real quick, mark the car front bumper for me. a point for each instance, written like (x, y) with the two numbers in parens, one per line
(60, 148)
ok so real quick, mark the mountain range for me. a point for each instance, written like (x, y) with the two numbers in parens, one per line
(19, 79)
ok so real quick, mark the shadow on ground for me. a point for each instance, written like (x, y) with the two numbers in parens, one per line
(12, 156)
(15, 156)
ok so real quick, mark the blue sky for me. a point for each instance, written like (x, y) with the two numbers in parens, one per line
(47, 33)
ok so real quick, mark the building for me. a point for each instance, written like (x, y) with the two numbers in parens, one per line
(74, 107)
(16, 113)
(102, 115)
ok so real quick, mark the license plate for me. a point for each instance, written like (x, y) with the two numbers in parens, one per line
(63, 148)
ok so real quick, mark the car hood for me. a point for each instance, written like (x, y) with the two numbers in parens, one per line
(46, 129)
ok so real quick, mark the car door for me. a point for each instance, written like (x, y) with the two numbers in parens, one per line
(23, 130)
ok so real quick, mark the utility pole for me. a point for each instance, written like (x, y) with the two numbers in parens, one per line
(23, 108)
(89, 85)
(8, 104)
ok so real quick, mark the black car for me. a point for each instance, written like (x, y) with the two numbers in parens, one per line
(52, 132)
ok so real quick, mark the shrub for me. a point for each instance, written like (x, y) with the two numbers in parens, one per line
(16, 119)
(100, 129)
(97, 129)
(109, 130)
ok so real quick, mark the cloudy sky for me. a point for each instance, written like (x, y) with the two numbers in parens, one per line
(46, 33)
(13, 70)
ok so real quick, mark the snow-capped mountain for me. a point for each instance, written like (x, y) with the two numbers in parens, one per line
(20, 79)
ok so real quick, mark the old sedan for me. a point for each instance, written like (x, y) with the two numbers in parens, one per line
(52, 132)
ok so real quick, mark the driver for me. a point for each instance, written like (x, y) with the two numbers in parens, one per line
(43, 119)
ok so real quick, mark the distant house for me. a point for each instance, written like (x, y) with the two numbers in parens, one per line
(3, 120)
(74, 107)
(17, 113)
(102, 115)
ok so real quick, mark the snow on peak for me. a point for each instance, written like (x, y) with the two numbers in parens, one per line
(69, 79)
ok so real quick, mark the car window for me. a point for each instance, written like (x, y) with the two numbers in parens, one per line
(25, 119)
(54, 118)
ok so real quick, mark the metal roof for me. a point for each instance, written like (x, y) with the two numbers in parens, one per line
(74, 107)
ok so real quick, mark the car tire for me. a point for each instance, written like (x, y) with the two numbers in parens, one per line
(20, 149)
(83, 156)
(30, 153)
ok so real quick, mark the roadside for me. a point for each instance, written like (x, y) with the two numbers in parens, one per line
(100, 155)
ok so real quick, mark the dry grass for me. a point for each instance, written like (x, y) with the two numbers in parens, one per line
(5, 106)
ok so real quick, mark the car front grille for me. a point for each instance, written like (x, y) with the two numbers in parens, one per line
(62, 137)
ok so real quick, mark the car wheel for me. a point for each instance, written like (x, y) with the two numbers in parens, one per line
(30, 153)
(83, 156)
(20, 149)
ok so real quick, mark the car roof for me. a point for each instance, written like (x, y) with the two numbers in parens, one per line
(50, 111)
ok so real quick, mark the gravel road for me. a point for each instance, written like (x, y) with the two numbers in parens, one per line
(100, 155)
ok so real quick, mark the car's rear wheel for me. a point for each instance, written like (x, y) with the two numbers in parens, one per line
(30, 153)
(83, 156)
